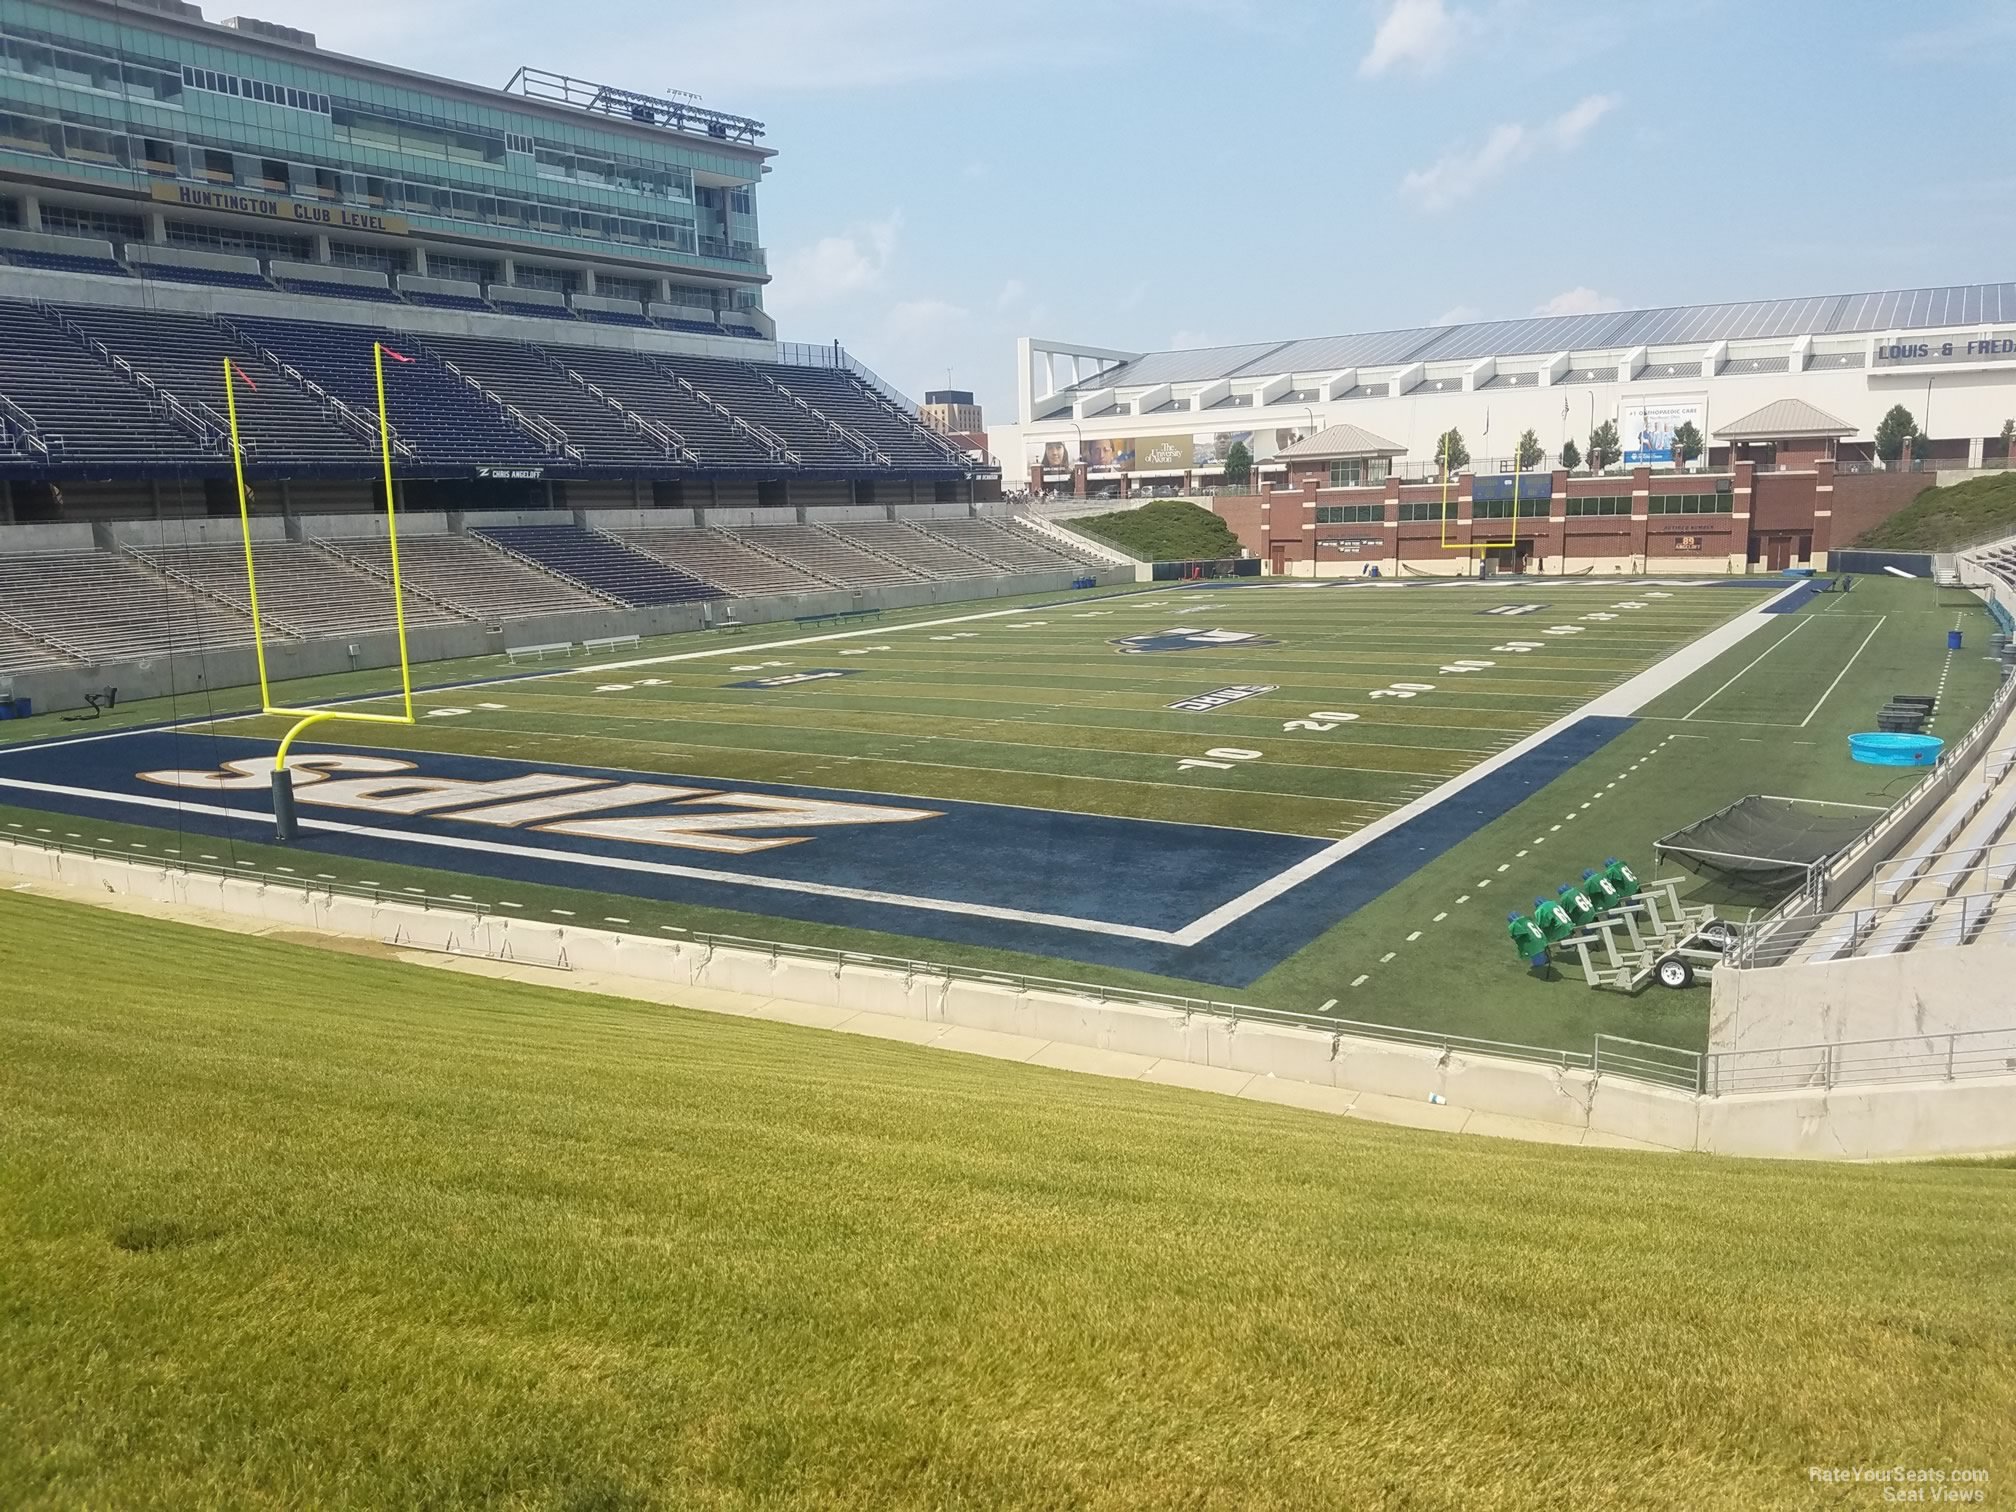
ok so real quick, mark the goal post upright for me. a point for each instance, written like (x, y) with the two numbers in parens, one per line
(285, 828)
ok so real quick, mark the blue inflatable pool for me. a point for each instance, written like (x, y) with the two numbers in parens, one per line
(1885, 748)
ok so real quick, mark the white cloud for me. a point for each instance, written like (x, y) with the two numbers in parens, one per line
(1416, 34)
(1456, 175)
(1013, 293)
(834, 267)
(1580, 300)
(1461, 314)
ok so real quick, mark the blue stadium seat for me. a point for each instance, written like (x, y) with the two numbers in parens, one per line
(215, 277)
(444, 301)
(77, 400)
(337, 290)
(433, 411)
(63, 262)
(541, 312)
(613, 317)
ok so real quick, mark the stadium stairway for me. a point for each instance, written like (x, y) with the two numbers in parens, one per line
(654, 393)
(1009, 550)
(898, 435)
(65, 403)
(99, 607)
(599, 563)
(1949, 886)
(467, 576)
(532, 381)
(303, 590)
(436, 414)
(900, 541)
(734, 566)
(824, 552)
(184, 356)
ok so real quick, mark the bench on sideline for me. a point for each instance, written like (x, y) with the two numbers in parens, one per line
(603, 643)
(540, 653)
(837, 617)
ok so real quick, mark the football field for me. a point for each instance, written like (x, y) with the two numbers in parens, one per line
(1164, 782)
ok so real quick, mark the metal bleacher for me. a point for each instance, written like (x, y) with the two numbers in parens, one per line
(437, 414)
(931, 555)
(1008, 548)
(529, 378)
(600, 563)
(827, 553)
(653, 392)
(722, 560)
(740, 387)
(82, 410)
(302, 591)
(840, 396)
(99, 607)
(468, 576)
(185, 355)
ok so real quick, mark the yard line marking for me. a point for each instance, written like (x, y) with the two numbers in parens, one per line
(1413, 937)
(1801, 625)
(1438, 918)
(1844, 670)
(565, 913)
(1505, 866)
(1360, 981)
(1328, 1004)
(1464, 899)
(1387, 957)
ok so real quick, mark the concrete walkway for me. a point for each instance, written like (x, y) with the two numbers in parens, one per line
(1053, 1055)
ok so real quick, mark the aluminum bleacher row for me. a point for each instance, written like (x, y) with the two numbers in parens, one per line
(183, 598)
(90, 384)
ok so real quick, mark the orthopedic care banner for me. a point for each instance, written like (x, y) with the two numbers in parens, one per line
(1646, 426)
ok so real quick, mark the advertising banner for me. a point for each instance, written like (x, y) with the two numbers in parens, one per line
(1646, 426)
(1164, 453)
(1109, 453)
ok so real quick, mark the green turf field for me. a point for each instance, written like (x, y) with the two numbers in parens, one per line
(286, 1228)
(1035, 706)
(1041, 708)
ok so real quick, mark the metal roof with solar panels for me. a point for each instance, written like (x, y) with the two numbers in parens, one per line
(1540, 336)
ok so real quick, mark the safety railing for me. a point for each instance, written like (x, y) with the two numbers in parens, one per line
(1909, 1058)
(1821, 887)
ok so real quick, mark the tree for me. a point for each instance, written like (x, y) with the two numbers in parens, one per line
(2009, 443)
(1238, 462)
(1451, 452)
(1529, 453)
(1893, 430)
(1687, 442)
(1571, 454)
(1603, 446)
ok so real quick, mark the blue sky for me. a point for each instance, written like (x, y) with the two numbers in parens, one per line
(1155, 173)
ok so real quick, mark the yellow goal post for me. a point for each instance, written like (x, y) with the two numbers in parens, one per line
(283, 796)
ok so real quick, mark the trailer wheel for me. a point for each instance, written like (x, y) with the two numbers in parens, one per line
(1719, 935)
(1674, 971)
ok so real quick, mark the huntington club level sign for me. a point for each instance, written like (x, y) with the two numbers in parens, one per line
(271, 207)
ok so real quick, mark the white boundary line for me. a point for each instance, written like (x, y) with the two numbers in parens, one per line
(1746, 667)
(617, 863)
(1844, 670)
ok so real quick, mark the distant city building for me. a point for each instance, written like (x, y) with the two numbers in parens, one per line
(951, 412)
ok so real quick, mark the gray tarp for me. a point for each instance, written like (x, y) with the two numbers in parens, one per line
(1767, 843)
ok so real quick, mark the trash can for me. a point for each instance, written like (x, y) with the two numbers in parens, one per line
(1952, 640)
(24, 708)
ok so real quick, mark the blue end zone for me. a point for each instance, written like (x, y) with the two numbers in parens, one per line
(1800, 597)
(1075, 887)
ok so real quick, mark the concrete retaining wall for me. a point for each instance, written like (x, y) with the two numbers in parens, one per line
(1880, 1122)
(1902, 996)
